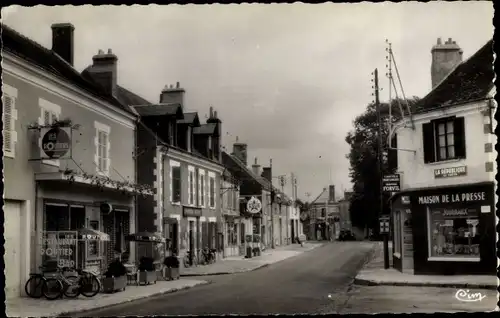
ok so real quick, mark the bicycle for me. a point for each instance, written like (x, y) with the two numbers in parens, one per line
(187, 260)
(73, 286)
(38, 285)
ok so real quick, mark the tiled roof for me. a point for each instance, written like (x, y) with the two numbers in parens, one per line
(32, 52)
(469, 81)
(128, 98)
(206, 129)
(190, 118)
(160, 110)
(240, 170)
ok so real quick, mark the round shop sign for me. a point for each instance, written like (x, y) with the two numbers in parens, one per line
(56, 143)
(254, 205)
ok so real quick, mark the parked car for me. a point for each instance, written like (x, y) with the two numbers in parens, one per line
(346, 235)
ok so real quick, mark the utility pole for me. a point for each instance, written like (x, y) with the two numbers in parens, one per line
(380, 167)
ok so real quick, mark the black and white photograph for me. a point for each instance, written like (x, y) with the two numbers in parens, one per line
(249, 159)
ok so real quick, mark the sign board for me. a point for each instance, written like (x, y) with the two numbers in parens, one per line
(384, 224)
(391, 183)
(304, 216)
(55, 142)
(60, 246)
(105, 208)
(254, 205)
(450, 172)
(193, 212)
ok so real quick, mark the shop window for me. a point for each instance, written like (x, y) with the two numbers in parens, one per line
(93, 246)
(454, 232)
(444, 139)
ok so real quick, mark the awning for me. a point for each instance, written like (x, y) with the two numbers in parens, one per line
(92, 181)
(86, 234)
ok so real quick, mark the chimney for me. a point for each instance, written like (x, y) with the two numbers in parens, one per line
(256, 167)
(105, 71)
(331, 193)
(63, 41)
(445, 57)
(240, 151)
(173, 95)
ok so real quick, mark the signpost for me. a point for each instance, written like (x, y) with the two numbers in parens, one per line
(384, 230)
(391, 183)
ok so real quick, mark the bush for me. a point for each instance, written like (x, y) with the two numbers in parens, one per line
(116, 269)
(146, 264)
(171, 262)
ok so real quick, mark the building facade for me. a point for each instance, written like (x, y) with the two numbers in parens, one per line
(234, 236)
(324, 216)
(444, 217)
(67, 145)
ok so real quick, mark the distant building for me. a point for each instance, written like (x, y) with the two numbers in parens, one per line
(324, 213)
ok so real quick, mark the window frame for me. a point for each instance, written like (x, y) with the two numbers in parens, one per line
(191, 185)
(173, 199)
(211, 191)
(105, 130)
(432, 145)
(444, 123)
(202, 187)
(10, 92)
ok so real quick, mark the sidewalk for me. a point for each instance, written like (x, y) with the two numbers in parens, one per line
(29, 307)
(373, 273)
(239, 264)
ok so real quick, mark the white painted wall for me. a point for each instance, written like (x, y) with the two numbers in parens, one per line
(415, 173)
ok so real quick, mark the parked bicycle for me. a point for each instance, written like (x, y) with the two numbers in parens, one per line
(86, 283)
(38, 285)
(208, 256)
(190, 261)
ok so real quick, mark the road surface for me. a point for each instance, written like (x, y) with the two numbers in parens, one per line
(316, 281)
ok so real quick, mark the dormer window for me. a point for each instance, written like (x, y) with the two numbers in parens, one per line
(444, 139)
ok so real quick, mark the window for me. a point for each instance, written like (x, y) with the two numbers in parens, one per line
(9, 119)
(201, 191)
(93, 246)
(444, 139)
(453, 232)
(235, 199)
(176, 183)
(191, 185)
(397, 231)
(102, 159)
(211, 190)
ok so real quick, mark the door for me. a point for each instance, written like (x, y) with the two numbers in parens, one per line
(191, 241)
(12, 235)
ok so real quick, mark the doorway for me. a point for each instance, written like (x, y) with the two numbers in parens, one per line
(191, 242)
(292, 226)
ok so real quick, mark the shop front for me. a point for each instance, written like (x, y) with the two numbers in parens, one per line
(64, 207)
(446, 230)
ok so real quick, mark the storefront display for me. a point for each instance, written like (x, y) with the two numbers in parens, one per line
(454, 232)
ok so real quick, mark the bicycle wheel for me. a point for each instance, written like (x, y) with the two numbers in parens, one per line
(71, 287)
(34, 286)
(52, 288)
(90, 285)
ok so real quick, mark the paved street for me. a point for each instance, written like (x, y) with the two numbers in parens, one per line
(398, 299)
(300, 284)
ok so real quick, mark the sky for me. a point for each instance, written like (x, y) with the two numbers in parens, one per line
(288, 80)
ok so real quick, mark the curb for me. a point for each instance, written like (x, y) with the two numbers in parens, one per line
(170, 291)
(366, 282)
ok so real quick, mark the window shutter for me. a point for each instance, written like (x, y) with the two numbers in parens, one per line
(459, 132)
(393, 154)
(429, 144)
(7, 124)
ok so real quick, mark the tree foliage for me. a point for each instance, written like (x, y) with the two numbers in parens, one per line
(363, 160)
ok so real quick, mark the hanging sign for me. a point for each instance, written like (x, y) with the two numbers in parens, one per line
(55, 143)
(391, 183)
(254, 205)
(384, 224)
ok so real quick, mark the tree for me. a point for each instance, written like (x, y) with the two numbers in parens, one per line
(363, 160)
